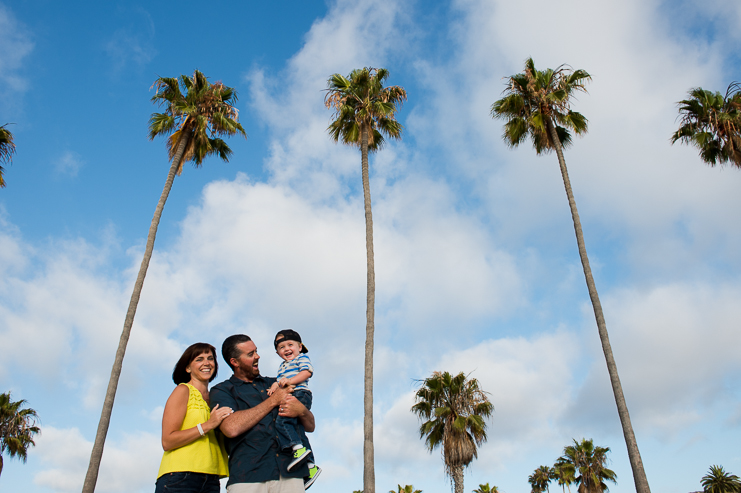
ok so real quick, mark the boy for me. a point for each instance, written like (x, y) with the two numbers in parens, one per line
(295, 370)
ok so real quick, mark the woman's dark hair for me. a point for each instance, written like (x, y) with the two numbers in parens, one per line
(179, 375)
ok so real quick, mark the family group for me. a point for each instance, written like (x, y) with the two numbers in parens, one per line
(249, 428)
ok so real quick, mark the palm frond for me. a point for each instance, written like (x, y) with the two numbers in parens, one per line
(534, 99)
(197, 111)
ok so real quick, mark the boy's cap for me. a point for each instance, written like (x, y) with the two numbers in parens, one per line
(288, 335)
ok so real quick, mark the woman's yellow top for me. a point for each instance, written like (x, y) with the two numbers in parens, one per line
(206, 454)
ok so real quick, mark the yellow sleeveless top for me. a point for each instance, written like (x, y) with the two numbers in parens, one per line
(206, 454)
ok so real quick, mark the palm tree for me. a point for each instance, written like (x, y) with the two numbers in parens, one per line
(406, 489)
(485, 488)
(589, 462)
(712, 123)
(7, 149)
(719, 481)
(541, 478)
(194, 118)
(17, 428)
(453, 409)
(537, 105)
(564, 474)
(364, 111)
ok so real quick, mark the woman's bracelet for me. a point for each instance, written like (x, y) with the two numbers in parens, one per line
(200, 430)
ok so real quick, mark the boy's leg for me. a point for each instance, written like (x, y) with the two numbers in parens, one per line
(288, 435)
(305, 398)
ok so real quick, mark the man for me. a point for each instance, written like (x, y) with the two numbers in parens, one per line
(256, 464)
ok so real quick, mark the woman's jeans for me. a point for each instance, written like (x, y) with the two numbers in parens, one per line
(187, 482)
(288, 435)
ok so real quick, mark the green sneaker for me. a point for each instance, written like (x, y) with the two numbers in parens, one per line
(299, 456)
(313, 474)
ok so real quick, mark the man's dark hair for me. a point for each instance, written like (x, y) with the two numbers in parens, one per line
(229, 348)
(180, 373)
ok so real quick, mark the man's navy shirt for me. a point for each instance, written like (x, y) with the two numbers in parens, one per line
(254, 456)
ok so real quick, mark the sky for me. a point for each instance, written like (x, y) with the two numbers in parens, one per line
(477, 269)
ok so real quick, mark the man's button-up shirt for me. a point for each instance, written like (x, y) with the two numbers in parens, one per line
(254, 456)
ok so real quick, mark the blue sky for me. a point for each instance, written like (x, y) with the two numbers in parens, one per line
(476, 262)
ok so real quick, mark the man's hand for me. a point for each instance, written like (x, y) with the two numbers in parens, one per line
(291, 407)
(243, 420)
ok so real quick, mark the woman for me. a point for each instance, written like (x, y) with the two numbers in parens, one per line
(194, 457)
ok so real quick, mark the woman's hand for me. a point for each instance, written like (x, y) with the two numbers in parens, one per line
(217, 416)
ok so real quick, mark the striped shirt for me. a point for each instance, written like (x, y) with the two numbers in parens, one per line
(292, 368)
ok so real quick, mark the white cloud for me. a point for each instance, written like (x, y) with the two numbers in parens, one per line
(68, 164)
(15, 45)
(134, 44)
(128, 465)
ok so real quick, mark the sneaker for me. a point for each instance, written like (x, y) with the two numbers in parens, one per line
(298, 456)
(313, 474)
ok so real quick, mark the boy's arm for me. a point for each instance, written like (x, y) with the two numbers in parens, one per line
(272, 388)
(302, 376)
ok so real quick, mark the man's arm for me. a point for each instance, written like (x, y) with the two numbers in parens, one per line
(292, 408)
(244, 420)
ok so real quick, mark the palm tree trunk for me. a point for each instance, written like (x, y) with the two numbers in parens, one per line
(91, 477)
(456, 472)
(639, 474)
(369, 473)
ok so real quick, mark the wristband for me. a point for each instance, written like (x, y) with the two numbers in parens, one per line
(200, 430)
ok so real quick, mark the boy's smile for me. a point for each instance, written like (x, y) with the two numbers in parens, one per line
(288, 350)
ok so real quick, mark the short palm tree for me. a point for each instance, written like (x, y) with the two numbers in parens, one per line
(17, 428)
(485, 488)
(712, 123)
(537, 104)
(406, 489)
(453, 410)
(564, 474)
(7, 149)
(588, 464)
(197, 113)
(719, 481)
(540, 479)
(365, 111)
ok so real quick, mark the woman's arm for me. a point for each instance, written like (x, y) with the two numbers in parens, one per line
(172, 419)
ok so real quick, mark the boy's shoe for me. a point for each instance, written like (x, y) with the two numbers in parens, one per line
(298, 456)
(313, 474)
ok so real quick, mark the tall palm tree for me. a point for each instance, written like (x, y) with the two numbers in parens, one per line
(541, 478)
(7, 149)
(365, 111)
(712, 123)
(719, 481)
(17, 428)
(485, 488)
(196, 114)
(537, 104)
(453, 409)
(588, 461)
